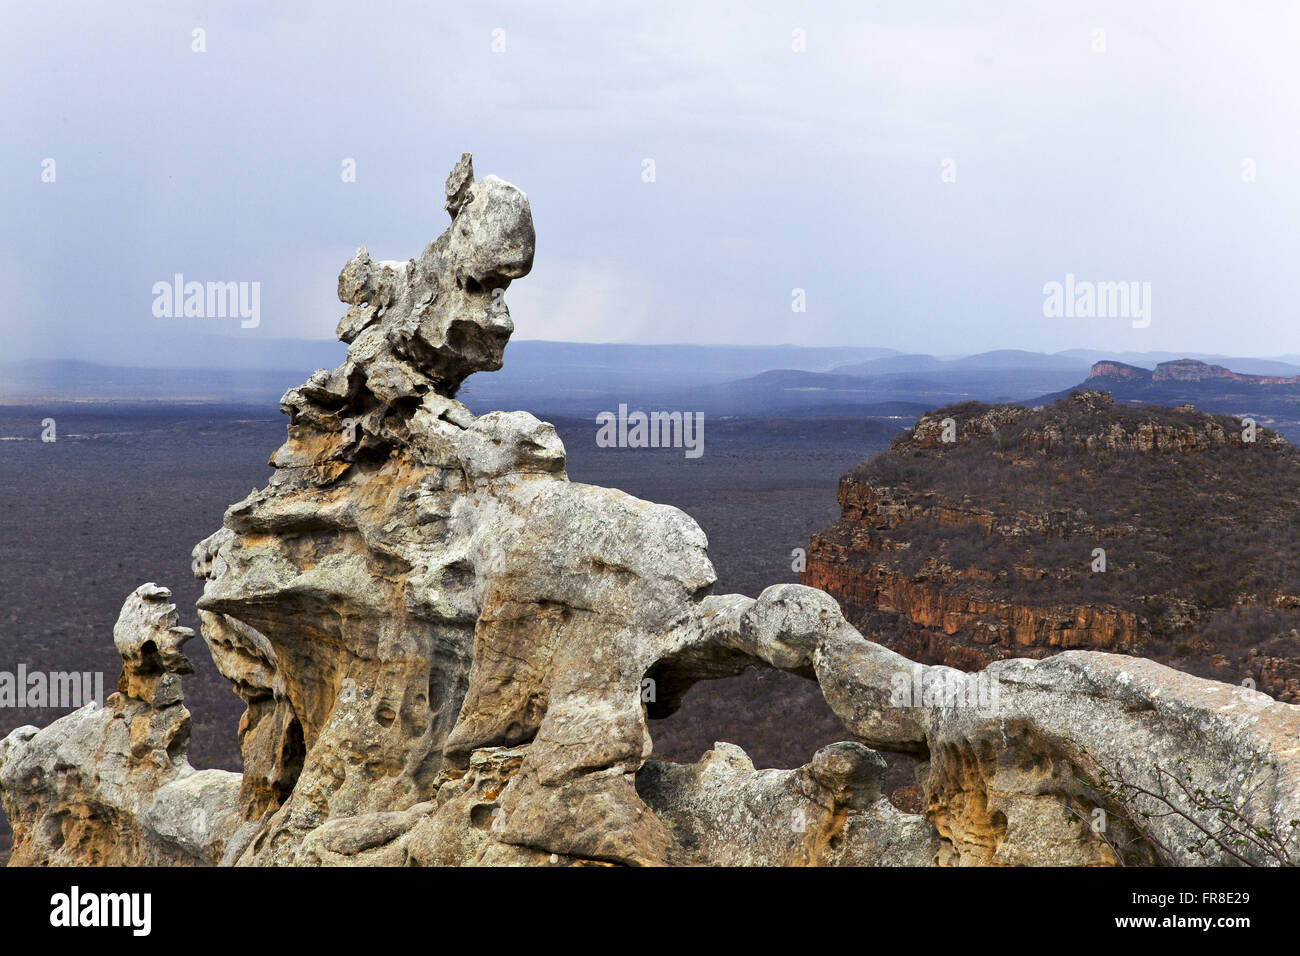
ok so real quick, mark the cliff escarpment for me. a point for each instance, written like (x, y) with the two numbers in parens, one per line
(1000, 531)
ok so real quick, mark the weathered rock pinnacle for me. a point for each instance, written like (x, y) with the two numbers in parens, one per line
(450, 653)
(112, 785)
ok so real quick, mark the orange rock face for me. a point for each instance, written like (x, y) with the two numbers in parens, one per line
(936, 622)
(991, 532)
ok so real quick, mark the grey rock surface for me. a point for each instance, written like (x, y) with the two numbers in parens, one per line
(111, 785)
(450, 654)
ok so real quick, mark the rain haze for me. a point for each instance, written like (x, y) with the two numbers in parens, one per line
(919, 174)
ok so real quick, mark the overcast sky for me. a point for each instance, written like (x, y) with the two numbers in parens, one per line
(1110, 140)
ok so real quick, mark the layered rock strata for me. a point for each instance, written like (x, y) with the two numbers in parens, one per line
(991, 532)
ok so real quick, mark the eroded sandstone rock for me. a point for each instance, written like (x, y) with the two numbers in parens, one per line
(723, 812)
(450, 655)
(111, 786)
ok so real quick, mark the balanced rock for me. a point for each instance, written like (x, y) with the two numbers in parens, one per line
(450, 654)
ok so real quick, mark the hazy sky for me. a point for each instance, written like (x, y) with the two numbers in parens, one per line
(1116, 155)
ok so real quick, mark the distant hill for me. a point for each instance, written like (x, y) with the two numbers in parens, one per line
(786, 389)
(1272, 400)
(891, 365)
(1282, 365)
(699, 363)
(1182, 371)
(583, 379)
(555, 375)
(1000, 360)
(572, 378)
(983, 547)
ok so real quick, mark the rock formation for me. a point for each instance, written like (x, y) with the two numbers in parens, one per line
(1267, 399)
(1183, 370)
(450, 654)
(111, 785)
(985, 546)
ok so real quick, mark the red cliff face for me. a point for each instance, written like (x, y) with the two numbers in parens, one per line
(1190, 370)
(1182, 370)
(985, 546)
(938, 620)
(1118, 371)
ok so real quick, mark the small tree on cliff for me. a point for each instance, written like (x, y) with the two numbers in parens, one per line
(1221, 824)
